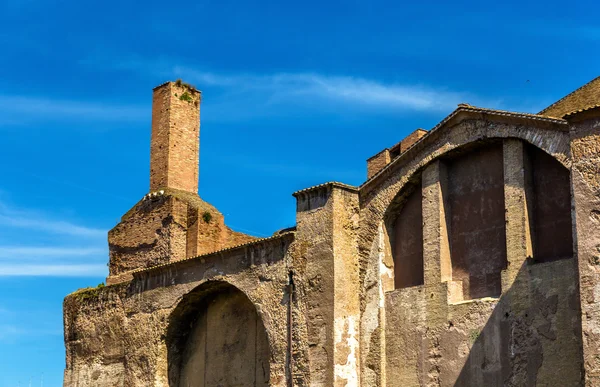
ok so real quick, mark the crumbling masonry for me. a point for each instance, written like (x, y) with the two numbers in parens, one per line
(469, 257)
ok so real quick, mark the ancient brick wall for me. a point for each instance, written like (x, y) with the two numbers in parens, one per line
(127, 334)
(326, 263)
(175, 143)
(171, 222)
(471, 260)
(415, 319)
(534, 315)
(585, 183)
(434, 333)
(167, 226)
(142, 238)
(411, 139)
(378, 162)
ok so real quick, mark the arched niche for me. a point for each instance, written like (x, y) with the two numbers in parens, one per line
(473, 202)
(404, 236)
(217, 338)
(549, 200)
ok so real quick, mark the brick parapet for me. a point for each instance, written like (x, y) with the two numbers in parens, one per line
(378, 162)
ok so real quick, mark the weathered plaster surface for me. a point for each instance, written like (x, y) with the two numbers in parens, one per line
(325, 291)
(585, 174)
(417, 320)
(123, 328)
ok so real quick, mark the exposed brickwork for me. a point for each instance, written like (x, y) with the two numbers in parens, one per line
(143, 237)
(380, 160)
(127, 344)
(167, 227)
(411, 139)
(377, 162)
(175, 144)
(172, 222)
(331, 293)
(502, 209)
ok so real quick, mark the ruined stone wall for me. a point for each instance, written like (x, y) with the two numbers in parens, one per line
(458, 263)
(206, 233)
(314, 264)
(377, 162)
(585, 175)
(346, 308)
(119, 335)
(326, 271)
(488, 342)
(518, 339)
(167, 226)
(141, 239)
(424, 335)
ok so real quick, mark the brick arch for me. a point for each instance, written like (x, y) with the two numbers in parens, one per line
(379, 195)
(216, 336)
(436, 144)
(382, 194)
(550, 219)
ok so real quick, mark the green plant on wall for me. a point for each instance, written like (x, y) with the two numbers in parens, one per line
(207, 216)
(473, 336)
(186, 97)
(89, 293)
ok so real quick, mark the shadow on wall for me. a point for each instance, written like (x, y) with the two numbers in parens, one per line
(216, 338)
(532, 338)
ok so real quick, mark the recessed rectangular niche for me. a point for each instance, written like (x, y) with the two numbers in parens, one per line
(475, 197)
(549, 193)
(407, 243)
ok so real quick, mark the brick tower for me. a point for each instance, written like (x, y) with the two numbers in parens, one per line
(175, 145)
(171, 222)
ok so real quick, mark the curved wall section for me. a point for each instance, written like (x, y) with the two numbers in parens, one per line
(499, 301)
(219, 340)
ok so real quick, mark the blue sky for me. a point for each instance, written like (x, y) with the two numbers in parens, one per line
(295, 94)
